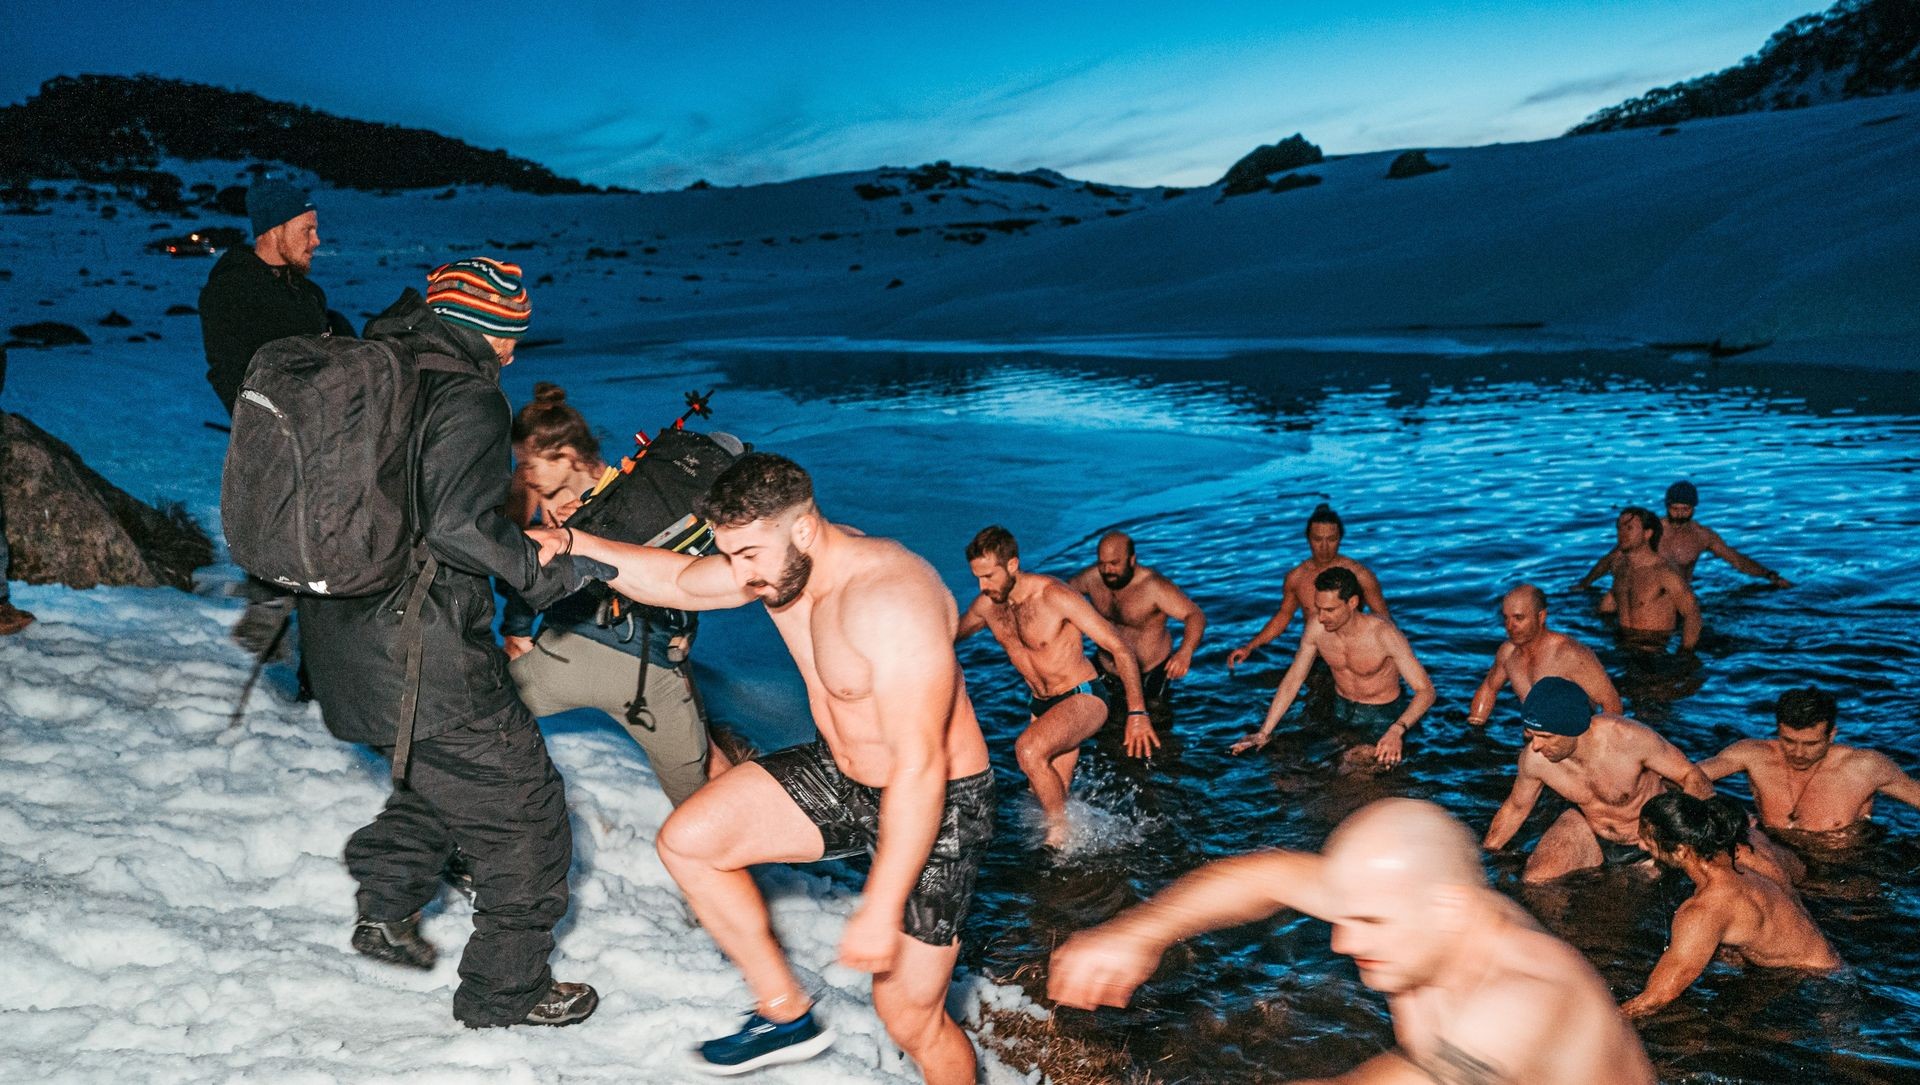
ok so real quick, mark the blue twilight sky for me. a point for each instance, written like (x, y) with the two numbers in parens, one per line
(655, 95)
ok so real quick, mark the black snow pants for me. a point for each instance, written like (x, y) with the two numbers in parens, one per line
(490, 790)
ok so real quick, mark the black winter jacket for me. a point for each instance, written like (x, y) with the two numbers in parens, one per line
(248, 303)
(353, 648)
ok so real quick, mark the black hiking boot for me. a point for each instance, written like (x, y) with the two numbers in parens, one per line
(395, 941)
(458, 874)
(565, 1004)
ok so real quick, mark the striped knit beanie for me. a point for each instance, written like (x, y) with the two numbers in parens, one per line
(485, 295)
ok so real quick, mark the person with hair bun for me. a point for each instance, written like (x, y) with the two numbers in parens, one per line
(1753, 918)
(635, 667)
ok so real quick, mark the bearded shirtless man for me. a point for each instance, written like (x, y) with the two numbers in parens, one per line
(1532, 652)
(899, 771)
(1369, 659)
(1040, 621)
(1607, 766)
(1139, 602)
(1325, 532)
(1683, 539)
(1649, 595)
(1804, 781)
(1480, 995)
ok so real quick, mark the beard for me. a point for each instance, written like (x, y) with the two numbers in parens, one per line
(1676, 520)
(793, 579)
(1117, 582)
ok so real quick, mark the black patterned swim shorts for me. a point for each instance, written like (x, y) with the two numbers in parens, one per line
(848, 815)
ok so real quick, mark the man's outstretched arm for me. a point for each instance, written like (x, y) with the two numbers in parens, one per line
(1719, 548)
(650, 574)
(1104, 965)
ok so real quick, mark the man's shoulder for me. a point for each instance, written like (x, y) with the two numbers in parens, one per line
(1747, 751)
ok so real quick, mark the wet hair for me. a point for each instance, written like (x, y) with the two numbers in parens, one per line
(758, 486)
(1809, 706)
(1323, 514)
(1338, 580)
(994, 542)
(1121, 535)
(550, 423)
(1708, 826)
(1647, 520)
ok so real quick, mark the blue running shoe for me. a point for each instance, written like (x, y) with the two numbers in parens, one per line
(761, 1043)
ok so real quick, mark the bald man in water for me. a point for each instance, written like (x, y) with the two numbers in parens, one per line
(1480, 995)
(1140, 602)
(1533, 652)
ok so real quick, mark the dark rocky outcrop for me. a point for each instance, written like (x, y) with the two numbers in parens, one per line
(1290, 181)
(1251, 172)
(68, 525)
(110, 127)
(1855, 49)
(1412, 164)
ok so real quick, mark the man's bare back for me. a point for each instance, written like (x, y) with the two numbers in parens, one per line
(1481, 997)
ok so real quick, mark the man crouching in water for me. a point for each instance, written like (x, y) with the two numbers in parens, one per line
(1479, 993)
(1040, 621)
(900, 768)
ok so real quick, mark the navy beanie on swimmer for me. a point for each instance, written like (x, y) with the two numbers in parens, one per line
(1558, 707)
(271, 202)
(1682, 493)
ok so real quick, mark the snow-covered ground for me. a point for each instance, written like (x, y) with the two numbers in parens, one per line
(172, 903)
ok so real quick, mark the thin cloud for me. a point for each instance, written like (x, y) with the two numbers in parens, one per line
(1633, 82)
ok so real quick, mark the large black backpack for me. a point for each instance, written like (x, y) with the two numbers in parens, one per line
(650, 500)
(317, 493)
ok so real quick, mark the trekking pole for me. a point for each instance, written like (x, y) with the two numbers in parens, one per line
(696, 407)
(259, 665)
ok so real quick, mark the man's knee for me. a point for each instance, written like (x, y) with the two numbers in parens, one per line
(689, 838)
(913, 1023)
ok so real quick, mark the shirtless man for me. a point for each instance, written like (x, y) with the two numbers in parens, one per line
(1802, 780)
(1649, 594)
(1733, 912)
(1324, 534)
(1532, 652)
(1368, 657)
(1607, 766)
(1138, 601)
(1684, 539)
(900, 769)
(1480, 995)
(1040, 621)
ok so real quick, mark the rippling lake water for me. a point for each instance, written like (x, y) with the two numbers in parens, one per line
(1458, 477)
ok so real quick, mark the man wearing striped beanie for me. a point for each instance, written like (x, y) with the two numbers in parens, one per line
(480, 783)
(484, 295)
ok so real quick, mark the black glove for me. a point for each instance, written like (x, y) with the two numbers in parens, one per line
(582, 571)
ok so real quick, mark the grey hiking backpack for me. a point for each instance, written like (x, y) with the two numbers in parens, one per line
(317, 493)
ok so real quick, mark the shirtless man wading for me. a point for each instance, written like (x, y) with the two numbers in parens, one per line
(1533, 652)
(900, 769)
(1368, 657)
(1683, 539)
(1480, 995)
(1803, 781)
(1139, 602)
(1607, 766)
(1040, 621)
(1650, 596)
(1325, 531)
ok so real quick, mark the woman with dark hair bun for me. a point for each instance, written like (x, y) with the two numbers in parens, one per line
(630, 662)
(1753, 918)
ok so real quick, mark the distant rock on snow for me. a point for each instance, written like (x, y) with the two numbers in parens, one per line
(1250, 173)
(68, 525)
